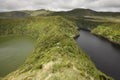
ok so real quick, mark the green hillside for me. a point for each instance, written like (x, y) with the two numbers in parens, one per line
(95, 21)
(56, 55)
(109, 31)
(89, 19)
(79, 12)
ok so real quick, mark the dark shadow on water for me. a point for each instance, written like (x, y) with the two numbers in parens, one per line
(116, 46)
(113, 44)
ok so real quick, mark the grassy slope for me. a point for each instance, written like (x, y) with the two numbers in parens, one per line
(106, 23)
(108, 28)
(89, 19)
(109, 31)
(56, 55)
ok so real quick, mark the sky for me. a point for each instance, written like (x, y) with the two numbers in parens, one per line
(60, 5)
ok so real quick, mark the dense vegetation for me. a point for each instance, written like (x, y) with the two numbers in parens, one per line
(56, 55)
(109, 31)
(104, 24)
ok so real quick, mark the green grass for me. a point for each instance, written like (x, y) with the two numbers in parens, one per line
(56, 55)
(104, 24)
(109, 31)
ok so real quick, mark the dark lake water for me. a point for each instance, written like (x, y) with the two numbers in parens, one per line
(13, 53)
(105, 55)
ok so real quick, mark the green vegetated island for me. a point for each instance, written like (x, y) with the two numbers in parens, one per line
(56, 55)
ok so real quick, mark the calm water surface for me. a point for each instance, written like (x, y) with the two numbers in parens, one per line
(13, 53)
(105, 55)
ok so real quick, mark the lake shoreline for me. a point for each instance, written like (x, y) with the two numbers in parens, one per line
(102, 37)
(98, 48)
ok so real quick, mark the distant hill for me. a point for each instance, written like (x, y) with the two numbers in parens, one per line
(25, 13)
(13, 14)
(83, 18)
(87, 12)
(79, 12)
(41, 12)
